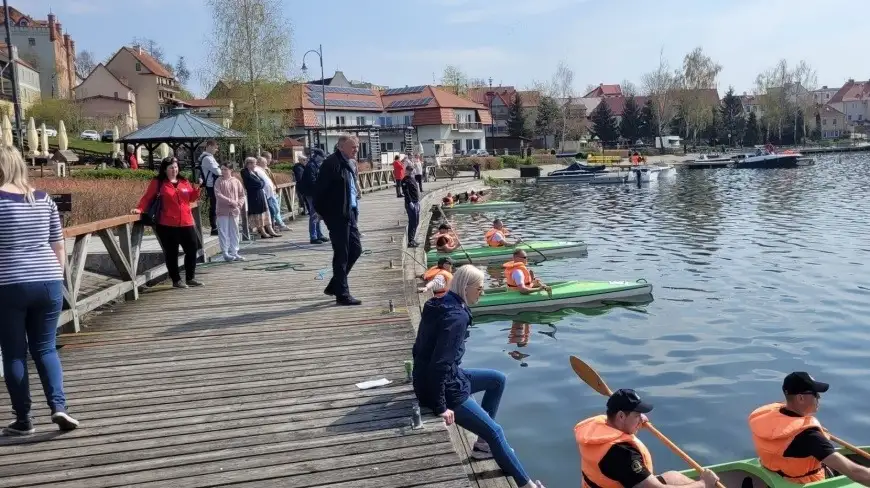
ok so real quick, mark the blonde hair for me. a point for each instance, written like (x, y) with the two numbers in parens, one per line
(262, 161)
(13, 171)
(463, 278)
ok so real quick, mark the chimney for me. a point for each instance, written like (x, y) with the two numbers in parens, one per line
(824, 87)
(51, 23)
(66, 41)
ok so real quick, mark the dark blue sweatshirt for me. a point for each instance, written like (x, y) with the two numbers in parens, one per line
(439, 382)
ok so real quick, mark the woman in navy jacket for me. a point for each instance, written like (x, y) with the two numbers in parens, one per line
(440, 384)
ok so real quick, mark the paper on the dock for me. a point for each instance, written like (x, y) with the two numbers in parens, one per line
(365, 385)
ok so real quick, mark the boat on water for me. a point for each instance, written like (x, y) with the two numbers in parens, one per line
(504, 301)
(481, 206)
(768, 158)
(536, 250)
(748, 473)
(705, 161)
(649, 173)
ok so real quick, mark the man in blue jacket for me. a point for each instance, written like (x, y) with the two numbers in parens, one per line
(306, 186)
(335, 200)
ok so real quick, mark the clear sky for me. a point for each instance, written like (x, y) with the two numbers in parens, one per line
(515, 42)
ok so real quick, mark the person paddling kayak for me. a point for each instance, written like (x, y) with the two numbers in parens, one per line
(495, 237)
(611, 456)
(438, 277)
(520, 278)
(791, 442)
(444, 239)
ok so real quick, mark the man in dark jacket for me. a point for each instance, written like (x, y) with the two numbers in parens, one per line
(335, 201)
(306, 186)
(412, 203)
(298, 172)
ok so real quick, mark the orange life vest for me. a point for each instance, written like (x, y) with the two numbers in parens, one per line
(490, 241)
(772, 433)
(510, 267)
(434, 271)
(448, 201)
(594, 438)
(635, 158)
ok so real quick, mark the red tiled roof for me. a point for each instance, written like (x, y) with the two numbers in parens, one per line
(852, 91)
(603, 90)
(507, 94)
(336, 98)
(149, 62)
(617, 104)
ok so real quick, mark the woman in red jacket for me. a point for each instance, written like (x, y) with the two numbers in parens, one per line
(175, 221)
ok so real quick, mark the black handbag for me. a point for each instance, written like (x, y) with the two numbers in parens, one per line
(152, 213)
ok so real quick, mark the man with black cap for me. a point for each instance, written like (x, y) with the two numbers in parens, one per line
(611, 456)
(791, 442)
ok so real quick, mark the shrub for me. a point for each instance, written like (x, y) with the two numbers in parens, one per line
(282, 168)
(488, 162)
(95, 199)
(513, 161)
(113, 174)
(544, 159)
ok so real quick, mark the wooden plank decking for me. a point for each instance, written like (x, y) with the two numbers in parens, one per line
(247, 381)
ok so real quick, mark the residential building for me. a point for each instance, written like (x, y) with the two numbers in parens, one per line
(751, 104)
(500, 99)
(340, 80)
(47, 49)
(853, 100)
(833, 122)
(823, 95)
(396, 119)
(107, 100)
(604, 91)
(155, 87)
(29, 88)
(218, 110)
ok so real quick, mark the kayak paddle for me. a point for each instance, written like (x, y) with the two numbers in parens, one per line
(857, 450)
(591, 378)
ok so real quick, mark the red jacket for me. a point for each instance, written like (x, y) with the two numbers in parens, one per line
(174, 202)
(398, 170)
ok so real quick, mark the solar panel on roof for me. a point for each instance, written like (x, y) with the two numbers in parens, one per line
(404, 90)
(416, 102)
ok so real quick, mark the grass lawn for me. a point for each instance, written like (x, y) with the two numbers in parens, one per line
(76, 143)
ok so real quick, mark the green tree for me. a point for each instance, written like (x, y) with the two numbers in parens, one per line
(549, 114)
(604, 124)
(648, 120)
(713, 131)
(182, 73)
(733, 120)
(751, 135)
(630, 125)
(51, 111)
(517, 119)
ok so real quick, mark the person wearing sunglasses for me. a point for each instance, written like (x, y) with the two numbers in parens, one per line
(791, 442)
(611, 456)
(520, 278)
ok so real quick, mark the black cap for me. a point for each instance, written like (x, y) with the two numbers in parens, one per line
(627, 400)
(445, 260)
(801, 382)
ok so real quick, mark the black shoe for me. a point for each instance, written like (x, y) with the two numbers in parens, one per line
(324, 239)
(194, 283)
(348, 300)
(413, 244)
(214, 232)
(316, 241)
(328, 291)
(19, 428)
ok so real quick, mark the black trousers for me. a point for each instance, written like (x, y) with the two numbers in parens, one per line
(419, 179)
(399, 188)
(212, 204)
(170, 239)
(346, 249)
(413, 211)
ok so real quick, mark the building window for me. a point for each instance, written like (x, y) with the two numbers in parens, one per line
(468, 145)
(138, 66)
(31, 41)
(339, 121)
(824, 121)
(360, 121)
(363, 150)
(386, 146)
(116, 94)
(457, 145)
(476, 143)
(407, 120)
(850, 117)
(834, 122)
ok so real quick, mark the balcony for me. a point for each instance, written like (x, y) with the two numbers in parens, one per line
(466, 126)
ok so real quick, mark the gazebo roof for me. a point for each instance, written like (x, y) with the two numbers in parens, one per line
(181, 126)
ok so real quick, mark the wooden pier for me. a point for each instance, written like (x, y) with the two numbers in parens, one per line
(250, 380)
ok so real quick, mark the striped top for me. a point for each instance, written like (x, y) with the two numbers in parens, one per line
(26, 232)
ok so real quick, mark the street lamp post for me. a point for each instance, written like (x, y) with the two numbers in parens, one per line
(16, 102)
(319, 53)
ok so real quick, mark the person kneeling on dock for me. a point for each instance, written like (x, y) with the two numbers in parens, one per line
(442, 385)
(495, 237)
(438, 277)
(791, 442)
(445, 240)
(520, 278)
(611, 456)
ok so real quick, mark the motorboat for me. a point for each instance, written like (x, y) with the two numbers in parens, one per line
(577, 171)
(649, 173)
(710, 161)
(766, 158)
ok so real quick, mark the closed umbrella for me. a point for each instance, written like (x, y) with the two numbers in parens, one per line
(32, 137)
(7, 131)
(62, 141)
(116, 147)
(44, 143)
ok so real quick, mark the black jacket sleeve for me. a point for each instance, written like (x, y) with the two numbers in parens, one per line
(331, 191)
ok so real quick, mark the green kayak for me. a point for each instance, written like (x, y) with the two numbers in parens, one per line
(501, 301)
(486, 254)
(748, 473)
(481, 207)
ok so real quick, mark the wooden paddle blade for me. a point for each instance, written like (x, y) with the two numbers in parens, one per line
(589, 376)
(857, 450)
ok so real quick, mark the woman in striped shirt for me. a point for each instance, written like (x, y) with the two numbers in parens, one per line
(32, 259)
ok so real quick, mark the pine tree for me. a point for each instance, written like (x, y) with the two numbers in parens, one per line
(733, 120)
(648, 120)
(517, 119)
(750, 137)
(713, 131)
(630, 126)
(604, 124)
(548, 115)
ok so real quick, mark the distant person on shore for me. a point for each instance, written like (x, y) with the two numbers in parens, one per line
(210, 171)
(438, 277)
(175, 222)
(611, 454)
(519, 277)
(265, 162)
(307, 186)
(230, 195)
(496, 237)
(412, 203)
(258, 212)
(132, 161)
(335, 200)
(298, 174)
(399, 173)
(442, 385)
(32, 261)
(476, 168)
(418, 171)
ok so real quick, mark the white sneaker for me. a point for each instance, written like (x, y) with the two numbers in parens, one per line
(238, 258)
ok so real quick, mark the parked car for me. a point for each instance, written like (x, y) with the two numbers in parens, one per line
(50, 131)
(90, 135)
(478, 153)
(107, 136)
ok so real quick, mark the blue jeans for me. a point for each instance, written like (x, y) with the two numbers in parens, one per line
(314, 231)
(275, 210)
(479, 419)
(29, 320)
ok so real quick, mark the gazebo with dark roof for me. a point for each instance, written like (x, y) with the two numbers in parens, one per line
(180, 130)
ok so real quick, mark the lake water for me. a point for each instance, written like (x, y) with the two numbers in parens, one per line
(756, 273)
